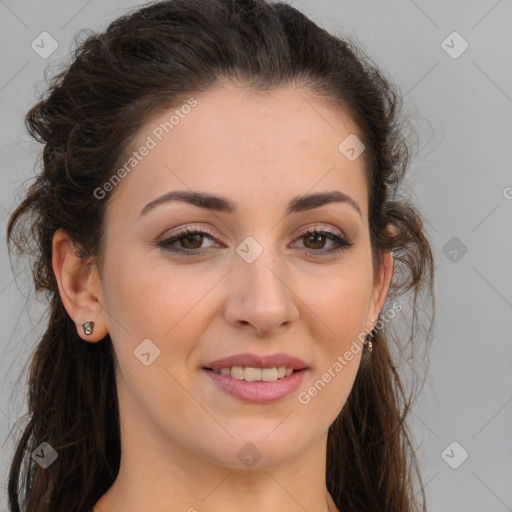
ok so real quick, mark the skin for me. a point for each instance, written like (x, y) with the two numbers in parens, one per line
(180, 432)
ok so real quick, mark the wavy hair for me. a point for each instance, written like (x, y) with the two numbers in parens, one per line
(150, 59)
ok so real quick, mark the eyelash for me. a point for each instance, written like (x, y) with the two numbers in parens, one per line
(342, 243)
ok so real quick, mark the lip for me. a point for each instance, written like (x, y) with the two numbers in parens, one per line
(257, 361)
(258, 392)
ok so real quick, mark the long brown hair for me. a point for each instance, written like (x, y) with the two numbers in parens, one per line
(148, 60)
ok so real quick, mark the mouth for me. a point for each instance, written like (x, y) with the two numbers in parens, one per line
(257, 378)
(256, 385)
(251, 374)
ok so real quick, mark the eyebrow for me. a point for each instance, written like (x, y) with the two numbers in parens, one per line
(223, 204)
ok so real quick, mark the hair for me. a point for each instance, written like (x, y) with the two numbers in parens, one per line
(149, 60)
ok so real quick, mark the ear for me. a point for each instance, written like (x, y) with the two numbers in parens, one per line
(380, 289)
(79, 286)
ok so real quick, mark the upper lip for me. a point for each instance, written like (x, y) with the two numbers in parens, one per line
(256, 361)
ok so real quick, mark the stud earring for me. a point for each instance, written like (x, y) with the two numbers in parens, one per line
(88, 327)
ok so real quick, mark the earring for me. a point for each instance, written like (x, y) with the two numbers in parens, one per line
(368, 344)
(88, 327)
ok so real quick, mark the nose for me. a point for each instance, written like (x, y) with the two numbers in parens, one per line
(260, 296)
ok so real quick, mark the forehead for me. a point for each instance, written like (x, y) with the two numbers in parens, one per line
(245, 145)
(281, 119)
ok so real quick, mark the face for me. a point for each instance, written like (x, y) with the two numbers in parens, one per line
(254, 279)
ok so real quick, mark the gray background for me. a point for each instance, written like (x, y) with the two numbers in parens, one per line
(461, 181)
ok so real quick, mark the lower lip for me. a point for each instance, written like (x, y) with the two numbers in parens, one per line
(259, 392)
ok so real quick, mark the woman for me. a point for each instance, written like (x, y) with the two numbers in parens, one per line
(220, 235)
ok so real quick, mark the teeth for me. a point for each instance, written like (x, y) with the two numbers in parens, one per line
(250, 374)
(268, 374)
(256, 374)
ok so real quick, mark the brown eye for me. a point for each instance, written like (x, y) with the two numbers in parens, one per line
(320, 240)
(190, 242)
(314, 241)
(193, 241)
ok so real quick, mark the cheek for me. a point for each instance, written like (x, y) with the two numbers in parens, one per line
(341, 307)
(342, 299)
(156, 300)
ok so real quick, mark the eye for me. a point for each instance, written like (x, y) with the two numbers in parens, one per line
(190, 239)
(316, 239)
